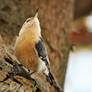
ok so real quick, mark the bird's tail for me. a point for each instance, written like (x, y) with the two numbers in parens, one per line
(52, 81)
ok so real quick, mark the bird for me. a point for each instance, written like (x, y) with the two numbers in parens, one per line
(79, 69)
(31, 51)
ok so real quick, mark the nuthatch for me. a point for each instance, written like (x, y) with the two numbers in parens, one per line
(31, 51)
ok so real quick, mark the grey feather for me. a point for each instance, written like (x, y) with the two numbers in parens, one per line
(42, 52)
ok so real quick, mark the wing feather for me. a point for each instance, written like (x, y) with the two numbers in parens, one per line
(42, 52)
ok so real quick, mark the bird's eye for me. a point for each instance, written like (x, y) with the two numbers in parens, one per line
(28, 20)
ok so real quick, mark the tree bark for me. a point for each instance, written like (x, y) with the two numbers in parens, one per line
(55, 19)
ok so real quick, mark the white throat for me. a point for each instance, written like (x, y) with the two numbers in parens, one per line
(35, 25)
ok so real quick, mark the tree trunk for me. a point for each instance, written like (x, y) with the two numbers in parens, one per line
(55, 18)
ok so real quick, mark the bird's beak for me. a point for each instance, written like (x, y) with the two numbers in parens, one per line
(36, 14)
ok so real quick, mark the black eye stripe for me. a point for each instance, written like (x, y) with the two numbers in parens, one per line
(27, 20)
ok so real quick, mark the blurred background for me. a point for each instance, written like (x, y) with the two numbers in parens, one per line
(82, 8)
(57, 20)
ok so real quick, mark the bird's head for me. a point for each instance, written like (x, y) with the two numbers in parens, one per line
(30, 23)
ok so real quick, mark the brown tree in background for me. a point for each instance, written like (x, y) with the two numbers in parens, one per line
(82, 8)
(55, 18)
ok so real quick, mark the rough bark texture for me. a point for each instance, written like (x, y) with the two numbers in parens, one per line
(55, 18)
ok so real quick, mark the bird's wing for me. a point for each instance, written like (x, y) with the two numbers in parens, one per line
(42, 52)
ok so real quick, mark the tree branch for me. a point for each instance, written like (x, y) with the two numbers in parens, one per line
(10, 65)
